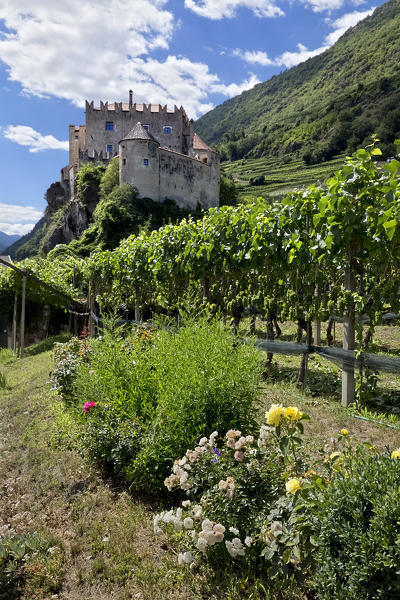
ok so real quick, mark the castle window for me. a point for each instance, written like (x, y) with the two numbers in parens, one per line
(109, 126)
(146, 127)
(109, 148)
(167, 129)
(124, 161)
(146, 162)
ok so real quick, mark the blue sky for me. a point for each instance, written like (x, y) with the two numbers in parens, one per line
(195, 53)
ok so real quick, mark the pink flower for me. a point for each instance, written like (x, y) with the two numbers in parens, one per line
(239, 456)
(88, 406)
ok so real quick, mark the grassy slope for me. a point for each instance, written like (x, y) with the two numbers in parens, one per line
(102, 539)
(331, 102)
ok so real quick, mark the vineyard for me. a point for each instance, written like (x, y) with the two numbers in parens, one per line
(323, 251)
(257, 495)
(276, 177)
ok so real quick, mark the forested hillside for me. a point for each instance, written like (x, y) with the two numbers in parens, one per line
(328, 105)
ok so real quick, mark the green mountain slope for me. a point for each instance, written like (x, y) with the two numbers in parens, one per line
(28, 244)
(328, 105)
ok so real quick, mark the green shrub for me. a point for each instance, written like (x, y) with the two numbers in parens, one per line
(359, 531)
(120, 373)
(152, 394)
(244, 507)
(18, 554)
(3, 381)
(110, 439)
(206, 381)
(7, 356)
(67, 356)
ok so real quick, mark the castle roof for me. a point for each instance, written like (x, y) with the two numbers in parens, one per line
(198, 143)
(138, 132)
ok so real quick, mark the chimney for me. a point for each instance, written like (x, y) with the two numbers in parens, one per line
(130, 98)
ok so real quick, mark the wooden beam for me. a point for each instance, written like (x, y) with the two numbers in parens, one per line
(14, 324)
(47, 286)
(22, 323)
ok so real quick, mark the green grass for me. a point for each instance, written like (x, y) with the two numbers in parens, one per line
(104, 545)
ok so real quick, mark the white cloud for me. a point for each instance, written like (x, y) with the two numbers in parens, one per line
(344, 22)
(16, 228)
(321, 5)
(234, 89)
(18, 219)
(27, 136)
(219, 9)
(291, 59)
(254, 57)
(83, 50)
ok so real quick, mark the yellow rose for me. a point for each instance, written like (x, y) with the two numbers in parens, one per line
(273, 415)
(292, 413)
(344, 431)
(292, 485)
(309, 473)
(396, 453)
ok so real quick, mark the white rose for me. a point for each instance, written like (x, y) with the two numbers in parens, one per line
(188, 523)
(201, 544)
(207, 525)
(210, 538)
(177, 525)
(231, 549)
(188, 558)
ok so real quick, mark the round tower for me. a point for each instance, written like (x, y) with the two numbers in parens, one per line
(139, 162)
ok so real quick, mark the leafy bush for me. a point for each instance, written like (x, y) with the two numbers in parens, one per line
(359, 530)
(110, 439)
(67, 356)
(239, 506)
(205, 381)
(151, 393)
(16, 555)
(3, 381)
(337, 532)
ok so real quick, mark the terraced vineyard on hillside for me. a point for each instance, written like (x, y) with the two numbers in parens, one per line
(281, 175)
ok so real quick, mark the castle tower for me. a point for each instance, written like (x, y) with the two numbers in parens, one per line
(139, 161)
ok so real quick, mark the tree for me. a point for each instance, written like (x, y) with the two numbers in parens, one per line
(228, 194)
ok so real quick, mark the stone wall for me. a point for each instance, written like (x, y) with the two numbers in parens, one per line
(124, 117)
(158, 174)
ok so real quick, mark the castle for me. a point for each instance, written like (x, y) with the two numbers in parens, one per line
(157, 149)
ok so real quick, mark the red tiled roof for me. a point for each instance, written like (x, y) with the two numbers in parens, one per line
(198, 143)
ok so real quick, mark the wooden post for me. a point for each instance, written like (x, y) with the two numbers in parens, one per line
(14, 324)
(22, 323)
(91, 309)
(138, 314)
(317, 324)
(70, 313)
(348, 383)
(270, 333)
(317, 333)
(302, 374)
